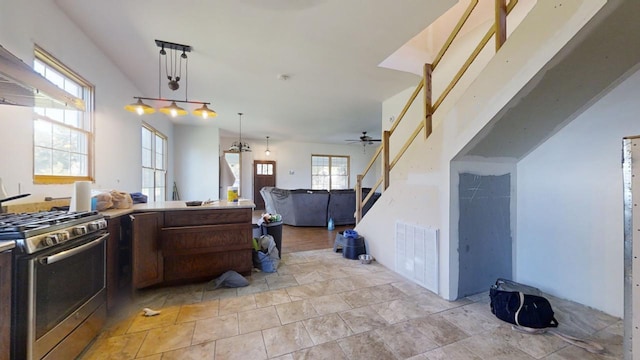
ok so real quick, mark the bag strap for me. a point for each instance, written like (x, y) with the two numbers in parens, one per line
(590, 346)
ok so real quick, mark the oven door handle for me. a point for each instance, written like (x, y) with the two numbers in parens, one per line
(73, 251)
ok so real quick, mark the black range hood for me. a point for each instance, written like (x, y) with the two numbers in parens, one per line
(21, 85)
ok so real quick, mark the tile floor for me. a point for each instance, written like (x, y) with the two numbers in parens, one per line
(322, 306)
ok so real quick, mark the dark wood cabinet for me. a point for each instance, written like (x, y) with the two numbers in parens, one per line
(147, 261)
(176, 246)
(5, 304)
(202, 244)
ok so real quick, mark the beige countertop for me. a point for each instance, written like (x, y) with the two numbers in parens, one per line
(178, 205)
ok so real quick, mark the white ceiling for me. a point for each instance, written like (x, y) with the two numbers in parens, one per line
(330, 49)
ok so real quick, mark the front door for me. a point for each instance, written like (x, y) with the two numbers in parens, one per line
(264, 174)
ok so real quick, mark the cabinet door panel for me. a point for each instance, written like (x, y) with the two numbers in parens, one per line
(147, 261)
(209, 238)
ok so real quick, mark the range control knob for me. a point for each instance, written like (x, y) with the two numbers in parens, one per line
(63, 236)
(93, 226)
(80, 230)
(51, 240)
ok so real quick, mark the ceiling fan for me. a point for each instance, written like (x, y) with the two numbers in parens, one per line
(364, 139)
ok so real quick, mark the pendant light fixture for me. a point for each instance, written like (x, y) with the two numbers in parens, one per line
(267, 152)
(239, 146)
(173, 64)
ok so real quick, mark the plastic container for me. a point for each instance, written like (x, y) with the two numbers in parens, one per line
(232, 194)
(330, 225)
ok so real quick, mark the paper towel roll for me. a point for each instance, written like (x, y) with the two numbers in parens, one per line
(81, 197)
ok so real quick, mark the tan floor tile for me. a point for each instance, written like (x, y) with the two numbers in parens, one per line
(330, 350)
(537, 346)
(237, 304)
(198, 311)
(167, 338)
(405, 340)
(288, 269)
(241, 347)
(310, 277)
(368, 345)
(215, 328)
(280, 282)
(359, 298)
(335, 286)
(187, 296)
(438, 329)
(166, 317)
(326, 328)
(204, 351)
(409, 288)
(329, 304)
(363, 319)
(285, 339)
(453, 351)
(273, 297)
(220, 293)
(283, 357)
(432, 303)
(259, 319)
(295, 311)
(472, 319)
(398, 310)
(306, 291)
(116, 347)
(399, 323)
(487, 346)
(151, 357)
(386, 292)
(254, 288)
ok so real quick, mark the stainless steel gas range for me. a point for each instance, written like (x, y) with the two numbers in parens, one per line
(58, 282)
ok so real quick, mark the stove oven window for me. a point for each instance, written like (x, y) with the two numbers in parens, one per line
(62, 137)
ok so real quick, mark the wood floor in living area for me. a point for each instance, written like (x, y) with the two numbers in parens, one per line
(305, 238)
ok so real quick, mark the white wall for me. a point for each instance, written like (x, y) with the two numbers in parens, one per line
(117, 145)
(196, 162)
(421, 183)
(570, 204)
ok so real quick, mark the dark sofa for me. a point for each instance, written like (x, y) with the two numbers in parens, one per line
(304, 207)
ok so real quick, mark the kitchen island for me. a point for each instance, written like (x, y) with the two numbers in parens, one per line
(168, 243)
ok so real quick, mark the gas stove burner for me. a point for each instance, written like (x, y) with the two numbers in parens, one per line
(39, 230)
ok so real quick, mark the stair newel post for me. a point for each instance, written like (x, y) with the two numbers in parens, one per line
(359, 198)
(501, 23)
(386, 135)
(428, 108)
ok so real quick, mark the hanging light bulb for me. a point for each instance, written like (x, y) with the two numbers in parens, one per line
(173, 110)
(204, 112)
(267, 152)
(140, 108)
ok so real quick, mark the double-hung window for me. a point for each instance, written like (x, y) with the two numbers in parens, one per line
(154, 160)
(62, 137)
(329, 172)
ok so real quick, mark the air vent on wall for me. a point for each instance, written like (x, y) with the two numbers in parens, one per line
(21, 85)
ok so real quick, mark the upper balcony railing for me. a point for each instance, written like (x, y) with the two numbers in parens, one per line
(497, 30)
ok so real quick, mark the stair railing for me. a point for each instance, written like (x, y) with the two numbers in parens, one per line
(499, 30)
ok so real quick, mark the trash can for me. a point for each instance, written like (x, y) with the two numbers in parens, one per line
(274, 229)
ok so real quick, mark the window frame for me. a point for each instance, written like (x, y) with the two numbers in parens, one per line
(165, 161)
(88, 127)
(331, 157)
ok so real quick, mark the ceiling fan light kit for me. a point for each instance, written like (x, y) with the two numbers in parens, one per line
(364, 139)
(173, 69)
